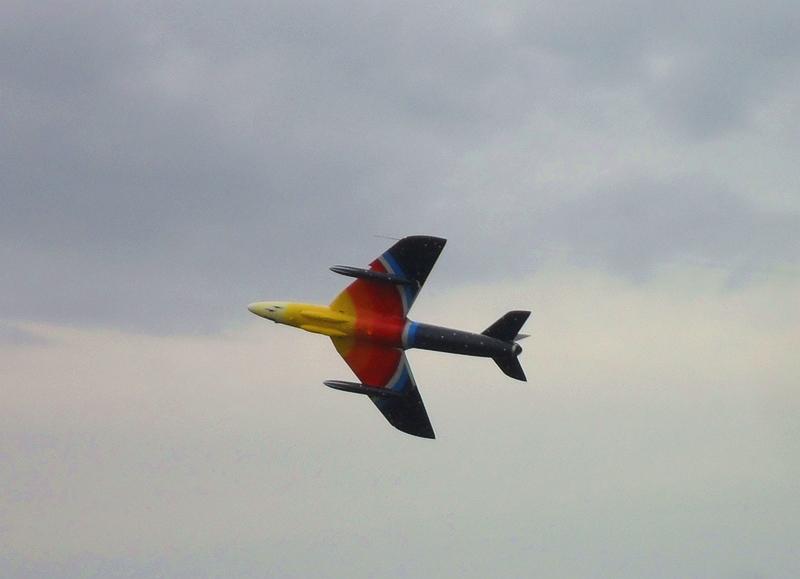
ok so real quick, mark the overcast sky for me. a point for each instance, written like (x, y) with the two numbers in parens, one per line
(626, 170)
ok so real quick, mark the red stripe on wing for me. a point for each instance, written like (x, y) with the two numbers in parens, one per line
(374, 365)
(376, 296)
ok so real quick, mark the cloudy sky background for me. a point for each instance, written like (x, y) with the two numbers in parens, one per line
(626, 170)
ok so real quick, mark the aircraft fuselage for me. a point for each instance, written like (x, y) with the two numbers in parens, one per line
(385, 331)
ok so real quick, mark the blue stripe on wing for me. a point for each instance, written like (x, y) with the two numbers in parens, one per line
(407, 412)
(407, 292)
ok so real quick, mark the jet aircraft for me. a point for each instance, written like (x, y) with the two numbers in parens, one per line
(369, 326)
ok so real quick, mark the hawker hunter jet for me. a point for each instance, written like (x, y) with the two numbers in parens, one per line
(369, 326)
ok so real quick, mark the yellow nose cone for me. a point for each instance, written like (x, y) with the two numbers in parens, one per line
(275, 311)
(263, 309)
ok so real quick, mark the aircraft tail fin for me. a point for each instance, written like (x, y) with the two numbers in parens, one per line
(507, 328)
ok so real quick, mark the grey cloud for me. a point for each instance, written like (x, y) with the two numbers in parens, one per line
(160, 162)
(705, 68)
(179, 159)
(631, 228)
(634, 227)
(634, 446)
(720, 76)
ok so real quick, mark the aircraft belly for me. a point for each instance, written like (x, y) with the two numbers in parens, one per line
(324, 316)
(383, 331)
(439, 339)
(324, 330)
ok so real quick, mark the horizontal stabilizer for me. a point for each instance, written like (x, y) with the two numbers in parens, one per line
(511, 367)
(507, 327)
(357, 388)
(371, 274)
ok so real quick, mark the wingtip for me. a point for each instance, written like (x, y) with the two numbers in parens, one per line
(429, 435)
(420, 431)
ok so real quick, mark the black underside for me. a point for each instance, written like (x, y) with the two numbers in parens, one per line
(427, 337)
(504, 353)
(416, 255)
(403, 409)
(406, 413)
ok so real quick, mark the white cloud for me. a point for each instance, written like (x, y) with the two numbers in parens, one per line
(655, 415)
